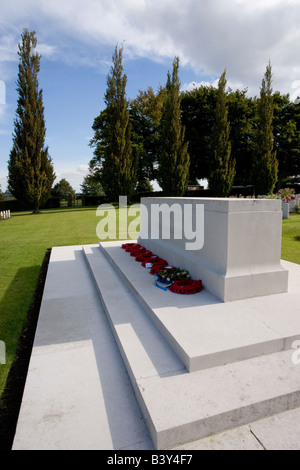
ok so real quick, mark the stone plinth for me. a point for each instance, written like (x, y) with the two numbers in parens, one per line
(232, 245)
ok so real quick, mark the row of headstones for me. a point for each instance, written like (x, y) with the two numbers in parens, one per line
(4, 215)
(288, 204)
(294, 202)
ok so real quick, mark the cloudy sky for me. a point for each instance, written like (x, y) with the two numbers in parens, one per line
(77, 38)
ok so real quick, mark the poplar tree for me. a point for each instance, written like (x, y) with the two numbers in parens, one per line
(222, 171)
(265, 165)
(30, 170)
(145, 114)
(174, 160)
(113, 153)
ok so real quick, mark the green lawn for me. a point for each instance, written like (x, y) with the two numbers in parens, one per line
(291, 239)
(24, 240)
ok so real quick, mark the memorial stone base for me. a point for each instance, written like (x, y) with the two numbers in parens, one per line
(232, 245)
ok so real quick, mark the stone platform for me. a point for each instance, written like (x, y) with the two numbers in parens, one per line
(202, 330)
(197, 367)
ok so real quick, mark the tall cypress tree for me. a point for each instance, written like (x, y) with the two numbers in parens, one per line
(112, 139)
(30, 169)
(222, 171)
(265, 166)
(174, 159)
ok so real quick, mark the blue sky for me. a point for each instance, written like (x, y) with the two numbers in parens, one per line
(77, 38)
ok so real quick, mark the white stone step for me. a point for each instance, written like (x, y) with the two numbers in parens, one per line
(144, 349)
(180, 406)
(191, 406)
(205, 332)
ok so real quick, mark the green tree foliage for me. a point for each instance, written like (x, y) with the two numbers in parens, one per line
(144, 186)
(112, 138)
(145, 115)
(63, 190)
(1, 194)
(222, 171)
(265, 165)
(30, 169)
(286, 131)
(242, 116)
(174, 160)
(198, 115)
(91, 185)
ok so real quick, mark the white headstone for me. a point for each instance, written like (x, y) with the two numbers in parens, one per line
(285, 210)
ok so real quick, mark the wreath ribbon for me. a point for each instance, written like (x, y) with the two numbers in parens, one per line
(162, 286)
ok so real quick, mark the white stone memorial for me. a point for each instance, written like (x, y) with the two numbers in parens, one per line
(232, 245)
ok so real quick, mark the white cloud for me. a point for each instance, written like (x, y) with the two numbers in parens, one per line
(207, 35)
(8, 47)
(83, 169)
(46, 50)
(3, 180)
(3, 115)
(193, 85)
(2, 93)
(73, 176)
(295, 86)
(8, 55)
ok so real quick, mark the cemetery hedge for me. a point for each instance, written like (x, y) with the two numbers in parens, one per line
(16, 206)
(26, 241)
